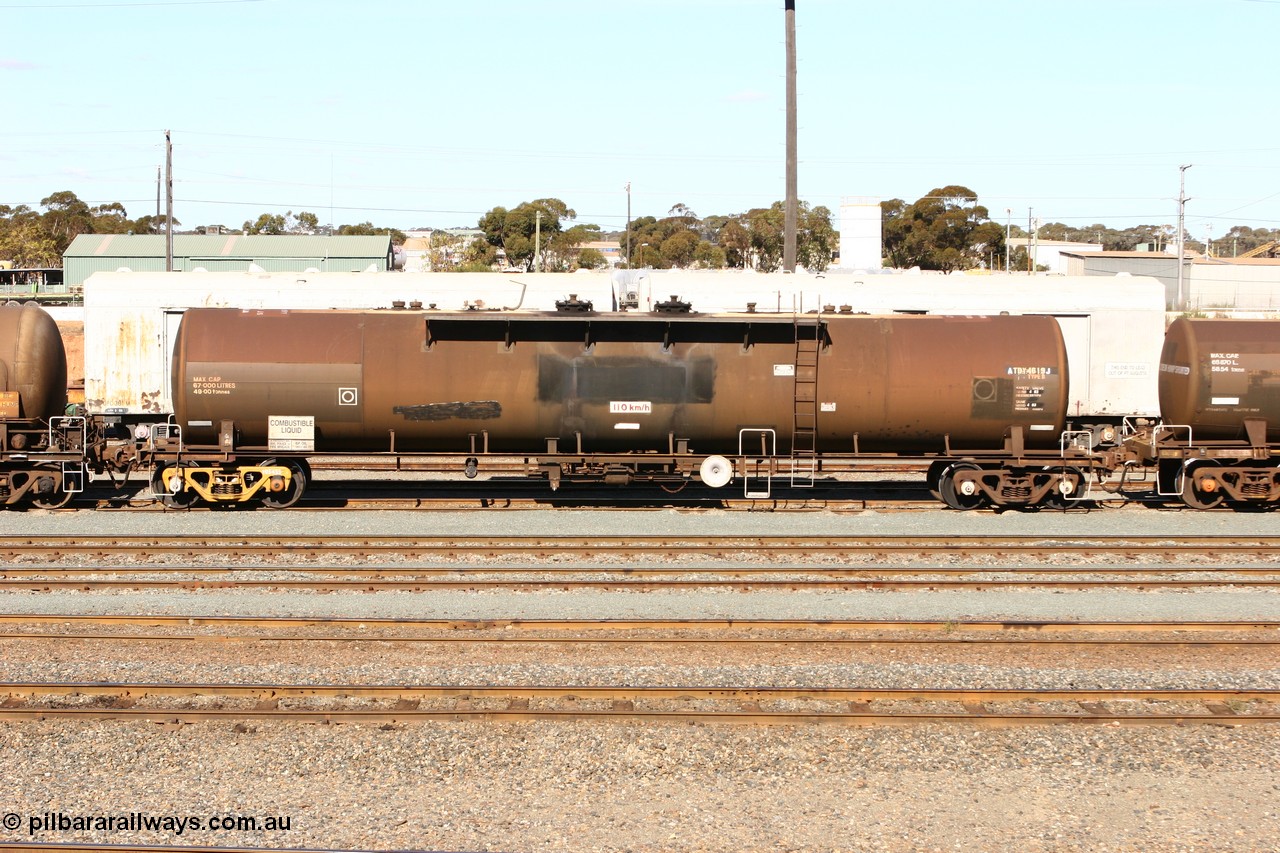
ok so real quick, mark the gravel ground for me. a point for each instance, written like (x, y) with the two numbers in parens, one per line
(584, 787)
(629, 786)
(1089, 605)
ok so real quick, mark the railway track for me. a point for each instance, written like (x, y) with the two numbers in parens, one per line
(817, 625)
(873, 547)
(616, 585)
(76, 847)
(685, 703)
(180, 701)
(147, 573)
(644, 563)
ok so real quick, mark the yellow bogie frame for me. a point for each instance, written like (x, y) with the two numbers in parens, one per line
(221, 485)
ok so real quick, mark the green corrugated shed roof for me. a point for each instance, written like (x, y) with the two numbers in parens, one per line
(228, 246)
(90, 253)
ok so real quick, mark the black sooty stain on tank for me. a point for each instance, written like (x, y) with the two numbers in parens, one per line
(476, 410)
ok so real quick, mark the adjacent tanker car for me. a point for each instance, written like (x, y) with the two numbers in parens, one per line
(1219, 436)
(41, 449)
(667, 397)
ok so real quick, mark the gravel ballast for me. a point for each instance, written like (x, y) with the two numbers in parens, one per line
(586, 786)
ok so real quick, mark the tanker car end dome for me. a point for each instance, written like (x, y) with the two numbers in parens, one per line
(1216, 373)
(33, 362)
(43, 451)
(1219, 393)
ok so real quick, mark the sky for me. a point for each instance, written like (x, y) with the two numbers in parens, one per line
(419, 113)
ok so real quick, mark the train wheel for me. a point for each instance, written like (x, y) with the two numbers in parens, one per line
(164, 493)
(1058, 499)
(1195, 497)
(933, 478)
(298, 471)
(54, 497)
(954, 496)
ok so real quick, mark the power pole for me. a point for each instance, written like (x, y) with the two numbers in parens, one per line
(537, 240)
(1182, 209)
(792, 202)
(628, 188)
(168, 209)
(1030, 261)
(1008, 226)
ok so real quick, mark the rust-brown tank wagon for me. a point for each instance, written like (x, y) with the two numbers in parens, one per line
(663, 398)
(33, 364)
(42, 450)
(616, 383)
(1216, 373)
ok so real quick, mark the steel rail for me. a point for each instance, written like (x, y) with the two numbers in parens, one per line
(531, 584)
(583, 692)
(622, 706)
(93, 572)
(361, 623)
(76, 847)
(978, 716)
(491, 640)
(410, 545)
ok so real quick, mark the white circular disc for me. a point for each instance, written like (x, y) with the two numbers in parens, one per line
(716, 471)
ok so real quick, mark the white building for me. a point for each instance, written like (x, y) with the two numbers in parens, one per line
(1049, 254)
(861, 246)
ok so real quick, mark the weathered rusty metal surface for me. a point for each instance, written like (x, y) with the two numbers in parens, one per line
(32, 360)
(615, 382)
(905, 382)
(1216, 373)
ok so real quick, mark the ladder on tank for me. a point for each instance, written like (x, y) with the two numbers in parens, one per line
(804, 421)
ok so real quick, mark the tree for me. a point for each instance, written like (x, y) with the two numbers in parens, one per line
(148, 225)
(563, 249)
(764, 227)
(267, 224)
(945, 230)
(678, 249)
(815, 238)
(709, 256)
(66, 217)
(444, 252)
(479, 256)
(24, 241)
(678, 238)
(517, 231)
(591, 259)
(305, 223)
(32, 239)
(736, 243)
(367, 229)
